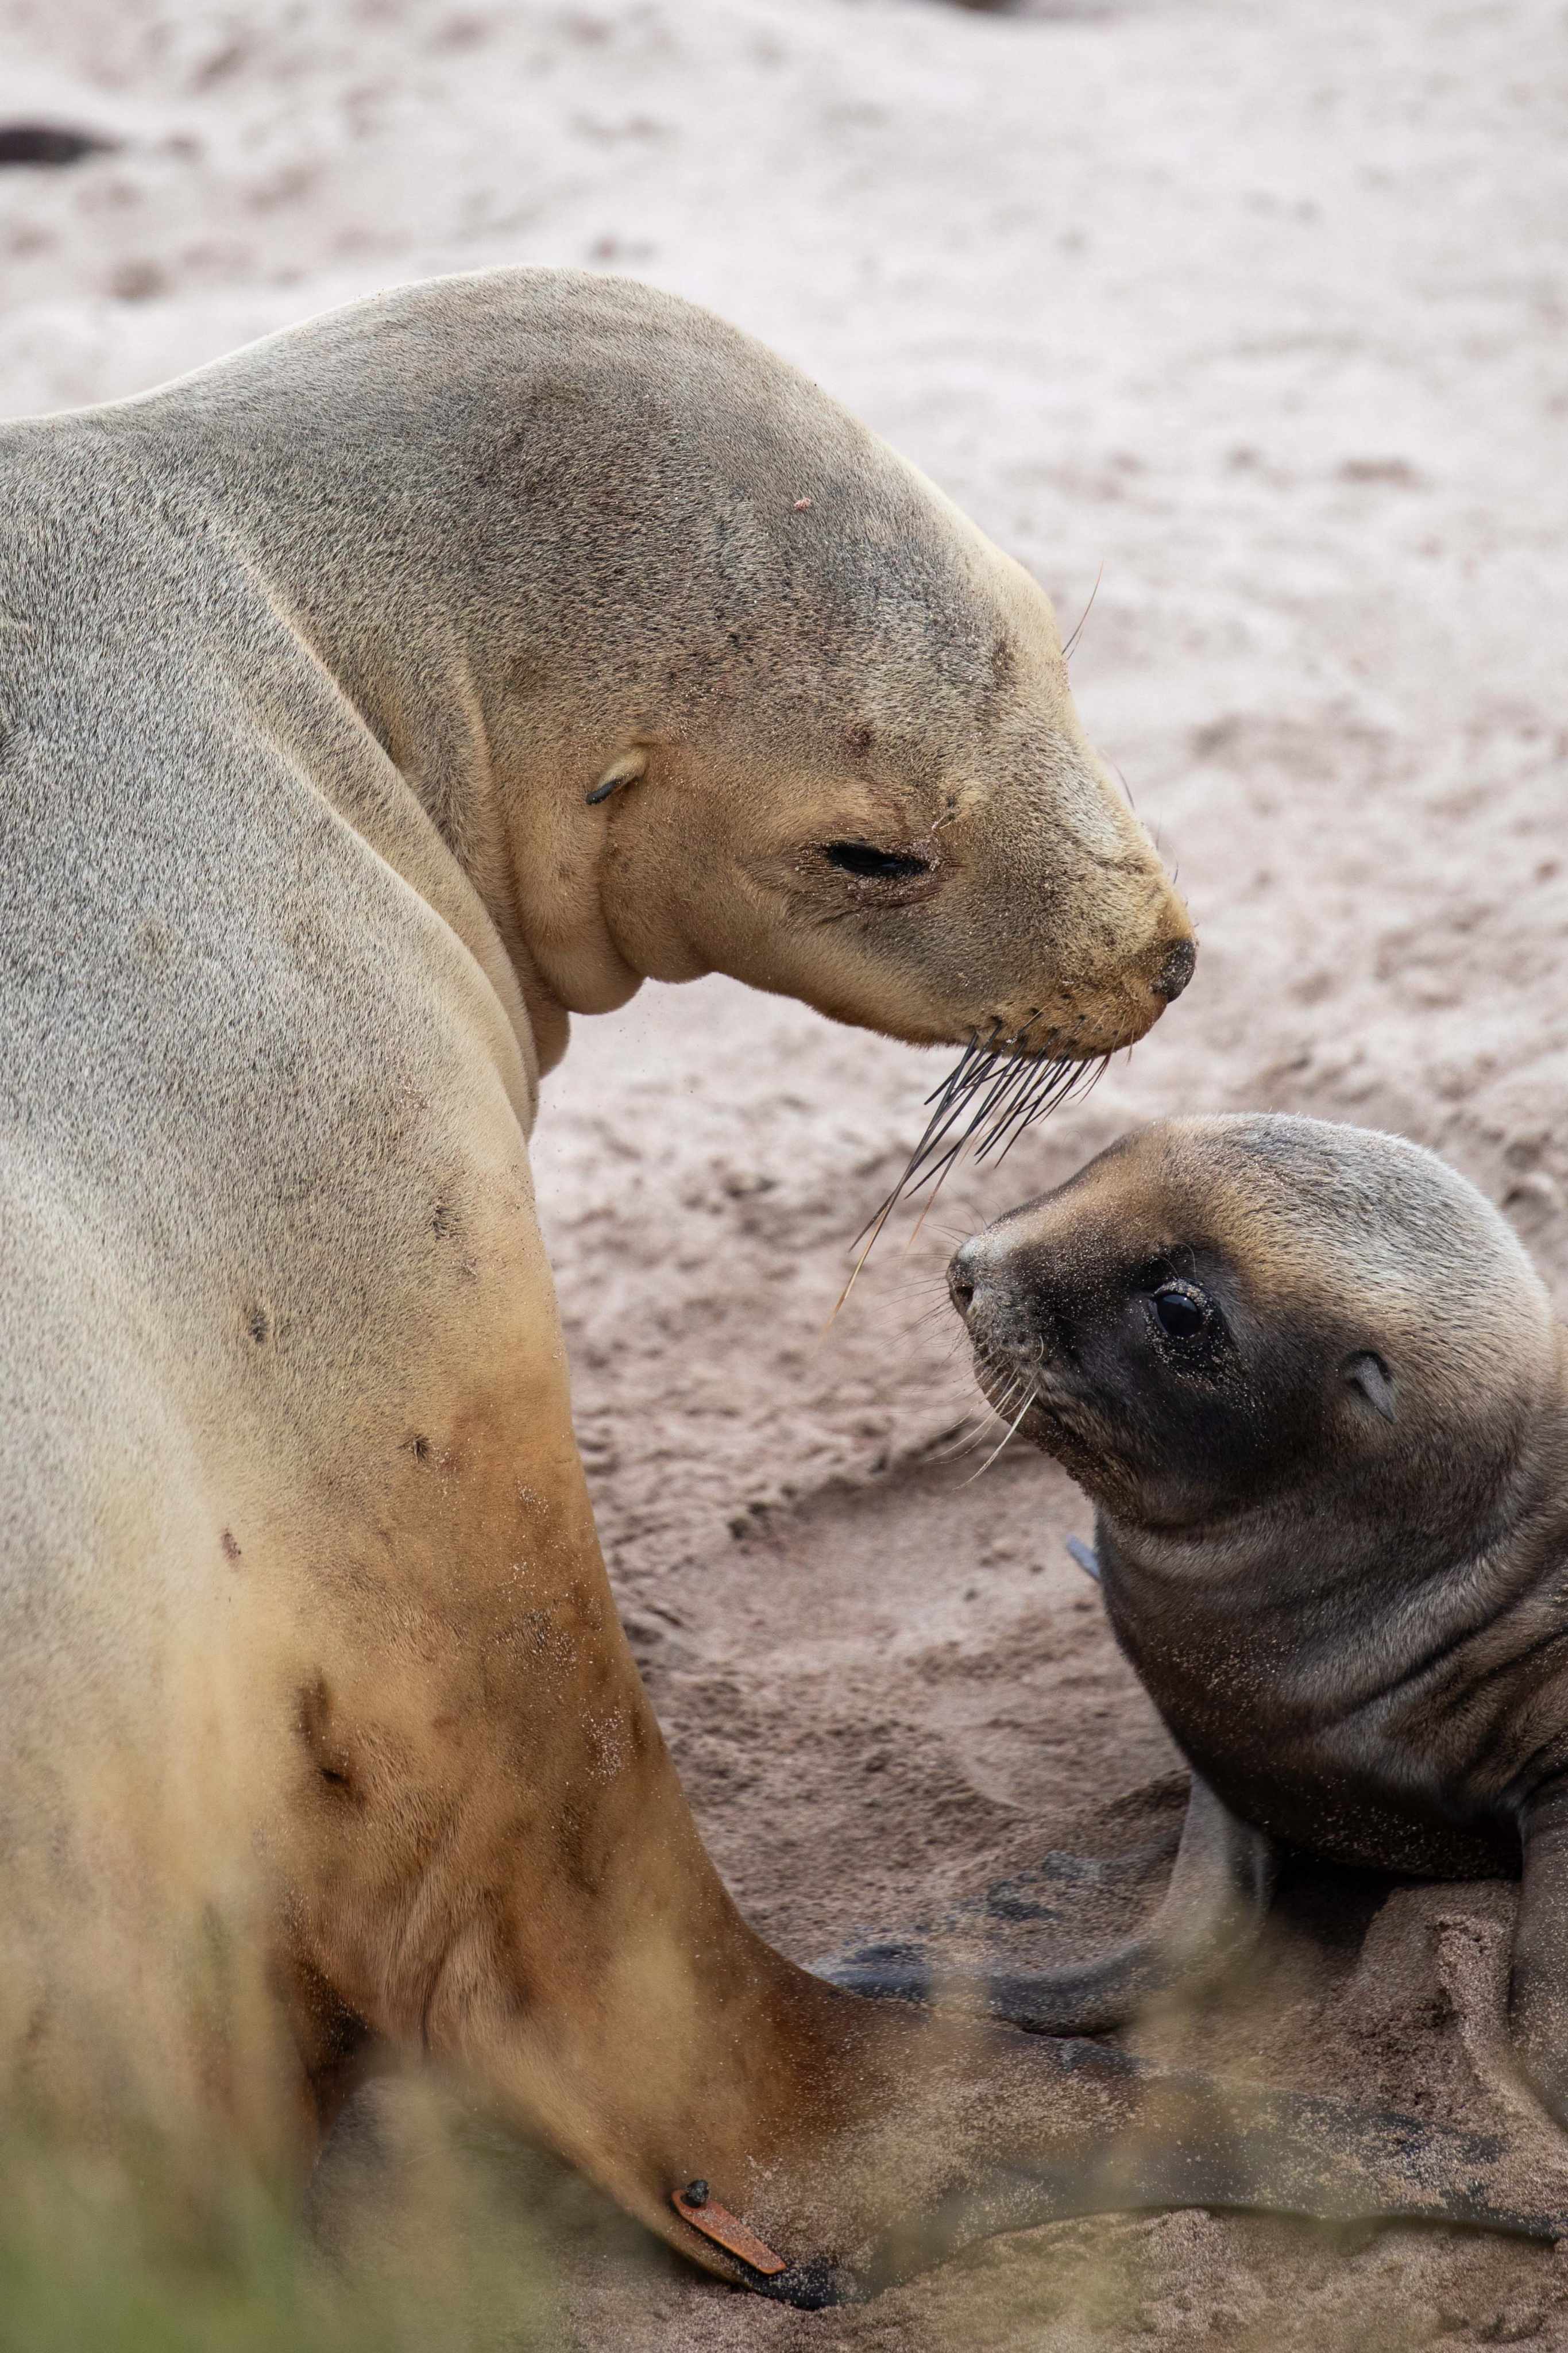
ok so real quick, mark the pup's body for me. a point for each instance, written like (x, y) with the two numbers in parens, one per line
(1332, 1531)
(370, 701)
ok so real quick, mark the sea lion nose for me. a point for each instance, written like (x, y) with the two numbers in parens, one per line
(962, 1274)
(1176, 970)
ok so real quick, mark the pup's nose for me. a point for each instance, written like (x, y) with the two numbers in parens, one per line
(1175, 971)
(962, 1274)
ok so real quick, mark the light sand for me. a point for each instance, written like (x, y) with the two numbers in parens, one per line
(1262, 310)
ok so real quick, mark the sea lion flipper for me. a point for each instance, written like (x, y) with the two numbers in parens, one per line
(1537, 1989)
(1211, 1914)
(1194, 2141)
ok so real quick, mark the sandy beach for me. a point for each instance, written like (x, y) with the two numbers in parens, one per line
(1256, 317)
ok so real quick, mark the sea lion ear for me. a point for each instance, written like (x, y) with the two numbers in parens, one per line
(1368, 1373)
(623, 770)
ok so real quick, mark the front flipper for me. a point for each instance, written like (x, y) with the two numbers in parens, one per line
(1169, 2141)
(1538, 1993)
(1211, 1914)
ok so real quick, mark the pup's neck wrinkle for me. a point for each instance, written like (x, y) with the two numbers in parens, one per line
(1359, 1630)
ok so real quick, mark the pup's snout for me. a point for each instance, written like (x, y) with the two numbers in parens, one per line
(964, 1275)
(983, 1281)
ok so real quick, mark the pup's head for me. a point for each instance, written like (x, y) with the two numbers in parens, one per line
(1220, 1314)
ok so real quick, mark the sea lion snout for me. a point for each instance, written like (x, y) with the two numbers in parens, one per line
(995, 1308)
(1175, 968)
(1025, 1361)
(963, 1274)
(999, 1296)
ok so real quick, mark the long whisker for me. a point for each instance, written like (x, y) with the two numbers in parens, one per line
(1006, 1440)
(950, 1099)
(923, 1166)
(974, 1439)
(942, 1175)
(996, 1410)
(997, 1089)
(956, 1098)
(1066, 649)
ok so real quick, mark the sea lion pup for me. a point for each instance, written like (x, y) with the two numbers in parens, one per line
(371, 700)
(1319, 1396)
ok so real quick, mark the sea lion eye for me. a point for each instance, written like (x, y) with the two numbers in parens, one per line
(1182, 1309)
(872, 865)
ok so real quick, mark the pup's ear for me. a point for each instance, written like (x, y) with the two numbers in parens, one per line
(1369, 1374)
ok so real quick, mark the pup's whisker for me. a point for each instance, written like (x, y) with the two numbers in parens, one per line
(971, 1438)
(1006, 1440)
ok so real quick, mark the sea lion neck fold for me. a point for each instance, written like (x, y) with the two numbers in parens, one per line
(543, 529)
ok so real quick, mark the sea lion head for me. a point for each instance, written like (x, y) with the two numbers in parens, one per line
(692, 671)
(1227, 1315)
(899, 816)
(864, 727)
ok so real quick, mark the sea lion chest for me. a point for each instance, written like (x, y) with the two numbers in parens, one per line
(1302, 1731)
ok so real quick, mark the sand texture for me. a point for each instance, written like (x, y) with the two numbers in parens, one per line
(1261, 309)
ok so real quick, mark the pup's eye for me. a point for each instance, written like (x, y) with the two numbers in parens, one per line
(874, 865)
(1182, 1309)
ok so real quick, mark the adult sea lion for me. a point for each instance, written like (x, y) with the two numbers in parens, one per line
(1320, 1397)
(372, 701)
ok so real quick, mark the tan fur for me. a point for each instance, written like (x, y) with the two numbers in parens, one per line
(312, 663)
(317, 1722)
